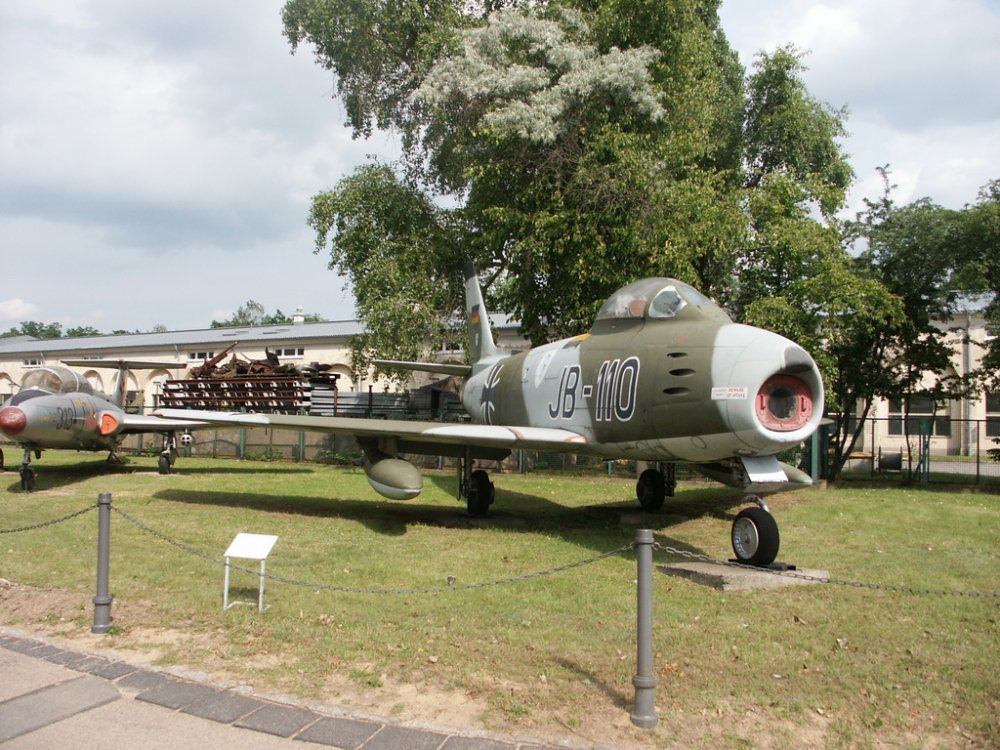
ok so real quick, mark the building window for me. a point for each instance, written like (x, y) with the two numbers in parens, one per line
(200, 356)
(922, 407)
(993, 414)
(33, 362)
(291, 351)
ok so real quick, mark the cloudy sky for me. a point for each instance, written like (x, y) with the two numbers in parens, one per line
(157, 159)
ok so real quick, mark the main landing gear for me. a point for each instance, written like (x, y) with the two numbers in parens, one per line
(654, 486)
(168, 453)
(754, 533)
(475, 487)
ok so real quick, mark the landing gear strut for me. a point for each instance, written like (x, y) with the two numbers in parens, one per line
(654, 486)
(27, 473)
(475, 487)
(168, 453)
(755, 535)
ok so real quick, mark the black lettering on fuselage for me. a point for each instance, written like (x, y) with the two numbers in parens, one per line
(566, 396)
(615, 394)
(617, 389)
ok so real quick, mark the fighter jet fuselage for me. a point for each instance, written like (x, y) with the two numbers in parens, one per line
(680, 382)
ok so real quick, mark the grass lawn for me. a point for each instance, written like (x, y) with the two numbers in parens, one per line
(807, 666)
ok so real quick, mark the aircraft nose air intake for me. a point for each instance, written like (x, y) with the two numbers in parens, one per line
(12, 421)
(784, 403)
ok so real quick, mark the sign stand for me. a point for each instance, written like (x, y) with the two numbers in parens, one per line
(248, 547)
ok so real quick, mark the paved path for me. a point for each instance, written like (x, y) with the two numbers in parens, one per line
(53, 697)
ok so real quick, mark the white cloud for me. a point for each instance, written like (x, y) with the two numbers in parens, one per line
(17, 309)
(157, 160)
(917, 78)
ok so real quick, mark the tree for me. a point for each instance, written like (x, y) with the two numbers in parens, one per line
(80, 331)
(909, 258)
(548, 130)
(402, 254)
(36, 330)
(253, 314)
(979, 240)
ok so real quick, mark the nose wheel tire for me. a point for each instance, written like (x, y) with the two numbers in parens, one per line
(755, 537)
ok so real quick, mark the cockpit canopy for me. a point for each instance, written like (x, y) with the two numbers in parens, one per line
(54, 380)
(655, 298)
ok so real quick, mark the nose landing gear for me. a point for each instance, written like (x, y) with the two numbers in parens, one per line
(755, 535)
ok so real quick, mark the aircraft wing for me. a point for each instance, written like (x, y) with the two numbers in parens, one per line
(148, 423)
(413, 433)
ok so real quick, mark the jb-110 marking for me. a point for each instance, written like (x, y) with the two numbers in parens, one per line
(617, 386)
(664, 376)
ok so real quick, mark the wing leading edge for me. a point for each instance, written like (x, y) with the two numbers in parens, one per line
(427, 434)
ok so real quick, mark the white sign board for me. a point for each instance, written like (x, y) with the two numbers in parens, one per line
(248, 547)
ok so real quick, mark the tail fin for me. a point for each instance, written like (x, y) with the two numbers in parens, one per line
(121, 385)
(123, 366)
(481, 344)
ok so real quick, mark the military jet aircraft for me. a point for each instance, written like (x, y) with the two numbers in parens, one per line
(664, 376)
(58, 408)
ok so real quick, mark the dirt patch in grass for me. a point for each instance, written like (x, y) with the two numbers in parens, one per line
(423, 697)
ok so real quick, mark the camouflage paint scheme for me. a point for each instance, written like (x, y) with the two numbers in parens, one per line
(663, 375)
(680, 384)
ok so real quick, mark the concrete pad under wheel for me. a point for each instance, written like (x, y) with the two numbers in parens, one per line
(737, 578)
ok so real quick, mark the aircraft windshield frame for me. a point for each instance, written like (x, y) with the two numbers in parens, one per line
(55, 380)
(654, 298)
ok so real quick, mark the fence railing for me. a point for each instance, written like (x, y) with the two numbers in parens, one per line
(931, 450)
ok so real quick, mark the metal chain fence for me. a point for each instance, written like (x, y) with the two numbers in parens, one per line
(452, 587)
(370, 589)
(53, 522)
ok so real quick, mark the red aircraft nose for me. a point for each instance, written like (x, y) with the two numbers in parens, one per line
(12, 420)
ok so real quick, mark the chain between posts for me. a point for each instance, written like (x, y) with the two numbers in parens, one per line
(53, 522)
(824, 579)
(657, 546)
(370, 589)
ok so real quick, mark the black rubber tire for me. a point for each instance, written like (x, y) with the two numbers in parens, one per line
(481, 494)
(755, 537)
(651, 490)
(163, 464)
(27, 479)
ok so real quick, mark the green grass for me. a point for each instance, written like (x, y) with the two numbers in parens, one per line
(814, 666)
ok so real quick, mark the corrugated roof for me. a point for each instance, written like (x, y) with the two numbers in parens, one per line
(213, 337)
(216, 338)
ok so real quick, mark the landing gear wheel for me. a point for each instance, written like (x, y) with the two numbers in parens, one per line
(481, 494)
(163, 464)
(755, 537)
(651, 490)
(1, 460)
(27, 478)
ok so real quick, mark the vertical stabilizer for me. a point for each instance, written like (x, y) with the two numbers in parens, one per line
(481, 344)
(121, 384)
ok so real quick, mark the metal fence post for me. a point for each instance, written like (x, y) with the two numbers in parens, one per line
(644, 708)
(102, 600)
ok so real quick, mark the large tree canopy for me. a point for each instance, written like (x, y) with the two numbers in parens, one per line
(568, 148)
